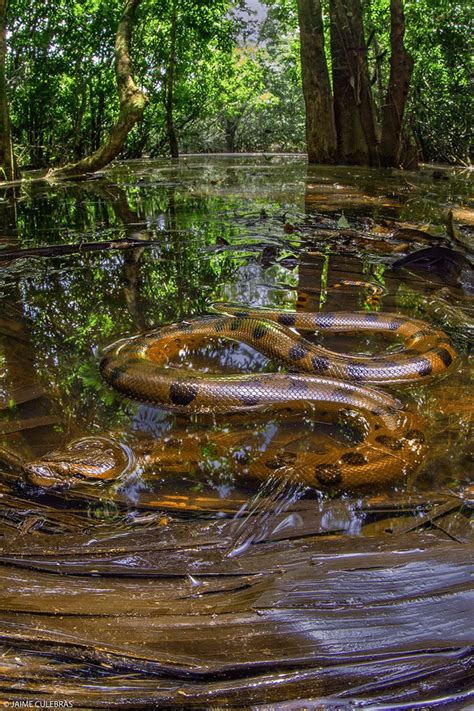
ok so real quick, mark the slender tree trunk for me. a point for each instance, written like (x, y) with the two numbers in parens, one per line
(8, 166)
(97, 118)
(320, 127)
(379, 56)
(170, 127)
(80, 111)
(356, 124)
(132, 103)
(230, 129)
(401, 69)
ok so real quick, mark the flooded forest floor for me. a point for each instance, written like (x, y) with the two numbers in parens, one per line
(185, 582)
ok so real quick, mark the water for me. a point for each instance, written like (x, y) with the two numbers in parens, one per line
(265, 231)
(258, 230)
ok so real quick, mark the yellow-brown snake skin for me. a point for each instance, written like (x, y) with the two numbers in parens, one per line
(393, 444)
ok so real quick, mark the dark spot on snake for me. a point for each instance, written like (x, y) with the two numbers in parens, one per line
(259, 331)
(389, 442)
(281, 460)
(415, 435)
(220, 324)
(241, 314)
(324, 320)
(356, 371)
(251, 399)
(424, 367)
(298, 385)
(371, 318)
(182, 393)
(172, 442)
(394, 324)
(297, 353)
(355, 458)
(115, 374)
(287, 319)
(320, 364)
(235, 324)
(445, 356)
(328, 474)
(104, 363)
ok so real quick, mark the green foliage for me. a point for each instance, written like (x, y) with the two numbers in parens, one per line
(236, 86)
(203, 32)
(438, 36)
(62, 88)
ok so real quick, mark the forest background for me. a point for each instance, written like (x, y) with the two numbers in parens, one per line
(221, 76)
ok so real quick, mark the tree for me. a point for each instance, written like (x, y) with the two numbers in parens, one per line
(358, 135)
(439, 37)
(59, 70)
(241, 85)
(132, 102)
(320, 126)
(356, 124)
(179, 44)
(8, 166)
(401, 69)
(169, 84)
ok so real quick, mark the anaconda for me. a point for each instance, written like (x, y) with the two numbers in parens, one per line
(393, 443)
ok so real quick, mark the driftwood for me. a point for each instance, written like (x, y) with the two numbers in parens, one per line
(63, 249)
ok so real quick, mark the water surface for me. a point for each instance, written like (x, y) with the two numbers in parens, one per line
(150, 243)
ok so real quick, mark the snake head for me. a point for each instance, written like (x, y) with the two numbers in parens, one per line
(85, 459)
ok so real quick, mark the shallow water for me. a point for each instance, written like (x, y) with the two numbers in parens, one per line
(257, 230)
(265, 231)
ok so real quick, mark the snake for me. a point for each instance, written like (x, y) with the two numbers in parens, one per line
(392, 442)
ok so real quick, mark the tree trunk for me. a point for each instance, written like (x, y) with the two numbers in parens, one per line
(401, 68)
(320, 127)
(377, 79)
(8, 166)
(132, 103)
(80, 111)
(356, 124)
(230, 129)
(170, 127)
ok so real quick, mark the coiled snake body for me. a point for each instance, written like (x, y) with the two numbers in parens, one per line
(392, 445)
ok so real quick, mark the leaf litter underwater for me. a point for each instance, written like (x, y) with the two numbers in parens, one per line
(204, 571)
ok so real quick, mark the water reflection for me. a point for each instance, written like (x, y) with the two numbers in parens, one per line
(266, 232)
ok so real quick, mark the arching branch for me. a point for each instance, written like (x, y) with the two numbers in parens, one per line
(132, 103)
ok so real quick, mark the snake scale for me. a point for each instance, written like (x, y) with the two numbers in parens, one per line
(393, 443)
